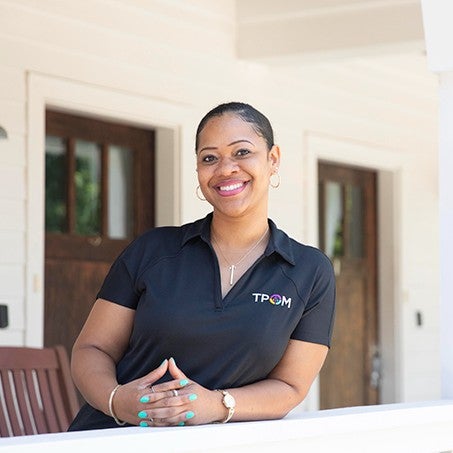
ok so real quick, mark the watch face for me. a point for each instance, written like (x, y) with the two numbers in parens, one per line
(229, 401)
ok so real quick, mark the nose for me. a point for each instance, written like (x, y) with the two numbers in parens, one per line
(226, 166)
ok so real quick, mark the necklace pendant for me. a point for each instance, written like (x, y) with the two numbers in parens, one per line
(232, 268)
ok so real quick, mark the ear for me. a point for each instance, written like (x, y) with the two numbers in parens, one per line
(274, 157)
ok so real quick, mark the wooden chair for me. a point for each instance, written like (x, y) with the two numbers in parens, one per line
(37, 394)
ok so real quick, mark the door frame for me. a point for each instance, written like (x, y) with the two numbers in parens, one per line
(167, 118)
(389, 167)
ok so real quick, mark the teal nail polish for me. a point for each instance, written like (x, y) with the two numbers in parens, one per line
(144, 424)
(190, 415)
(193, 397)
(144, 399)
(181, 424)
(183, 382)
(142, 414)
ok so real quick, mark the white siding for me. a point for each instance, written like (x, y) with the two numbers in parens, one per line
(164, 63)
(12, 200)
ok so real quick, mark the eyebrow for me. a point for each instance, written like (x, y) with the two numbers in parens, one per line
(230, 144)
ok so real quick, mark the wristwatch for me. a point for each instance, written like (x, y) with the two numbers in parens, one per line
(229, 402)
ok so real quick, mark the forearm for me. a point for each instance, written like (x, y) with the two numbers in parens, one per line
(99, 347)
(265, 400)
(94, 374)
(286, 386)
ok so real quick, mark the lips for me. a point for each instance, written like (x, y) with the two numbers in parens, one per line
(231, 188)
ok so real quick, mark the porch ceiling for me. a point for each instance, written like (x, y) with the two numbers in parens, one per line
(294, 31)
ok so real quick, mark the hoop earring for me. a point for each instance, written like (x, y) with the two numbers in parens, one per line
(274, 185)
(197, 192)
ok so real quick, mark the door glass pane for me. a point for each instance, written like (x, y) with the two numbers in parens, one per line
(56, 184)
(120, 201)
(87, 180)
(333, 215)
(354, 220)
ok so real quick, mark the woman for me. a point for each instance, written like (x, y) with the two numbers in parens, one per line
(226, 318)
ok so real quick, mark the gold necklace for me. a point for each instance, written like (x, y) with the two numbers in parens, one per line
(232, 267)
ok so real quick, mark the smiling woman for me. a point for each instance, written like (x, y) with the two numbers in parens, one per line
(225, 318)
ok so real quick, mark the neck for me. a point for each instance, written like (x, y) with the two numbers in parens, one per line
(238, 232)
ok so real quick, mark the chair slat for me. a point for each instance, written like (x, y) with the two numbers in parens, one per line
(47, 401)
(62, 415)
(67, 384)
(9, 395)
(21, 390)
(35, 398)
(5, 430)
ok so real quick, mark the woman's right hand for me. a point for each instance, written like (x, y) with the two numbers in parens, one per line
(126, 402)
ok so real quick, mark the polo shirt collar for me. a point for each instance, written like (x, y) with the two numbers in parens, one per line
(279, 241)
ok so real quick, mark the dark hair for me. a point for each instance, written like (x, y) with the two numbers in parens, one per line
(246, 112)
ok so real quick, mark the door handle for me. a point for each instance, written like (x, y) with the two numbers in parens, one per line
(376, 369)
(95, 241)
(336, 263)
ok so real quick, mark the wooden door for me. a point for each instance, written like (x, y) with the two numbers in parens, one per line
(99, 196)
(347, 232)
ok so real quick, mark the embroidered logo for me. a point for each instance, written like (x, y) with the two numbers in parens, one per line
(274, 299)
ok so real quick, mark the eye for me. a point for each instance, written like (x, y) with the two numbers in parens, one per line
(242, 152)
(208, 158)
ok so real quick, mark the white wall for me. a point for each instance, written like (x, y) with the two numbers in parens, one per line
(163, 64)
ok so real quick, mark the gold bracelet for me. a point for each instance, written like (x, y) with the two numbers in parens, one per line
(112, 394)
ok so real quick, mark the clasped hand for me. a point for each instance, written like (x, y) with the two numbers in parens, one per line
(177, 402)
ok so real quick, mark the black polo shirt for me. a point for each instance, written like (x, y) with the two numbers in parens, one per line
(170, 276)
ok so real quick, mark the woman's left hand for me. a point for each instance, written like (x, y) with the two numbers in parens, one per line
(180, 402)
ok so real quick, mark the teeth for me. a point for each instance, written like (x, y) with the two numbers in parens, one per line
(231, 187)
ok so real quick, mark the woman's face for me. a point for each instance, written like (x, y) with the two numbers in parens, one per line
(234, 166)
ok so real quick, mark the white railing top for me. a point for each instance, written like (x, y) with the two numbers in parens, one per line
(425, 427)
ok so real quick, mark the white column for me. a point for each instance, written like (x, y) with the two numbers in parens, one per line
(446, 230)
(437, 19)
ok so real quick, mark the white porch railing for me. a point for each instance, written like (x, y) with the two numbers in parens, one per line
(416, 428)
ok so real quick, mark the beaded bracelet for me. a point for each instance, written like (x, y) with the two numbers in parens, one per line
(112, 394)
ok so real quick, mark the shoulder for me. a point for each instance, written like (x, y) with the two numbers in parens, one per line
(312, 265)
(313, 274)
(306, 265)
(304, 253)
(158, 242)
(297, 253)
(157, 237)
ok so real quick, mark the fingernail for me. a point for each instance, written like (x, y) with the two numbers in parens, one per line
(142, 414)
(193, 397)
(183, 382)
(189, 415)
(144, 399)
(181, 424)
(165, 361)
(172, 360)
(144, 424)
